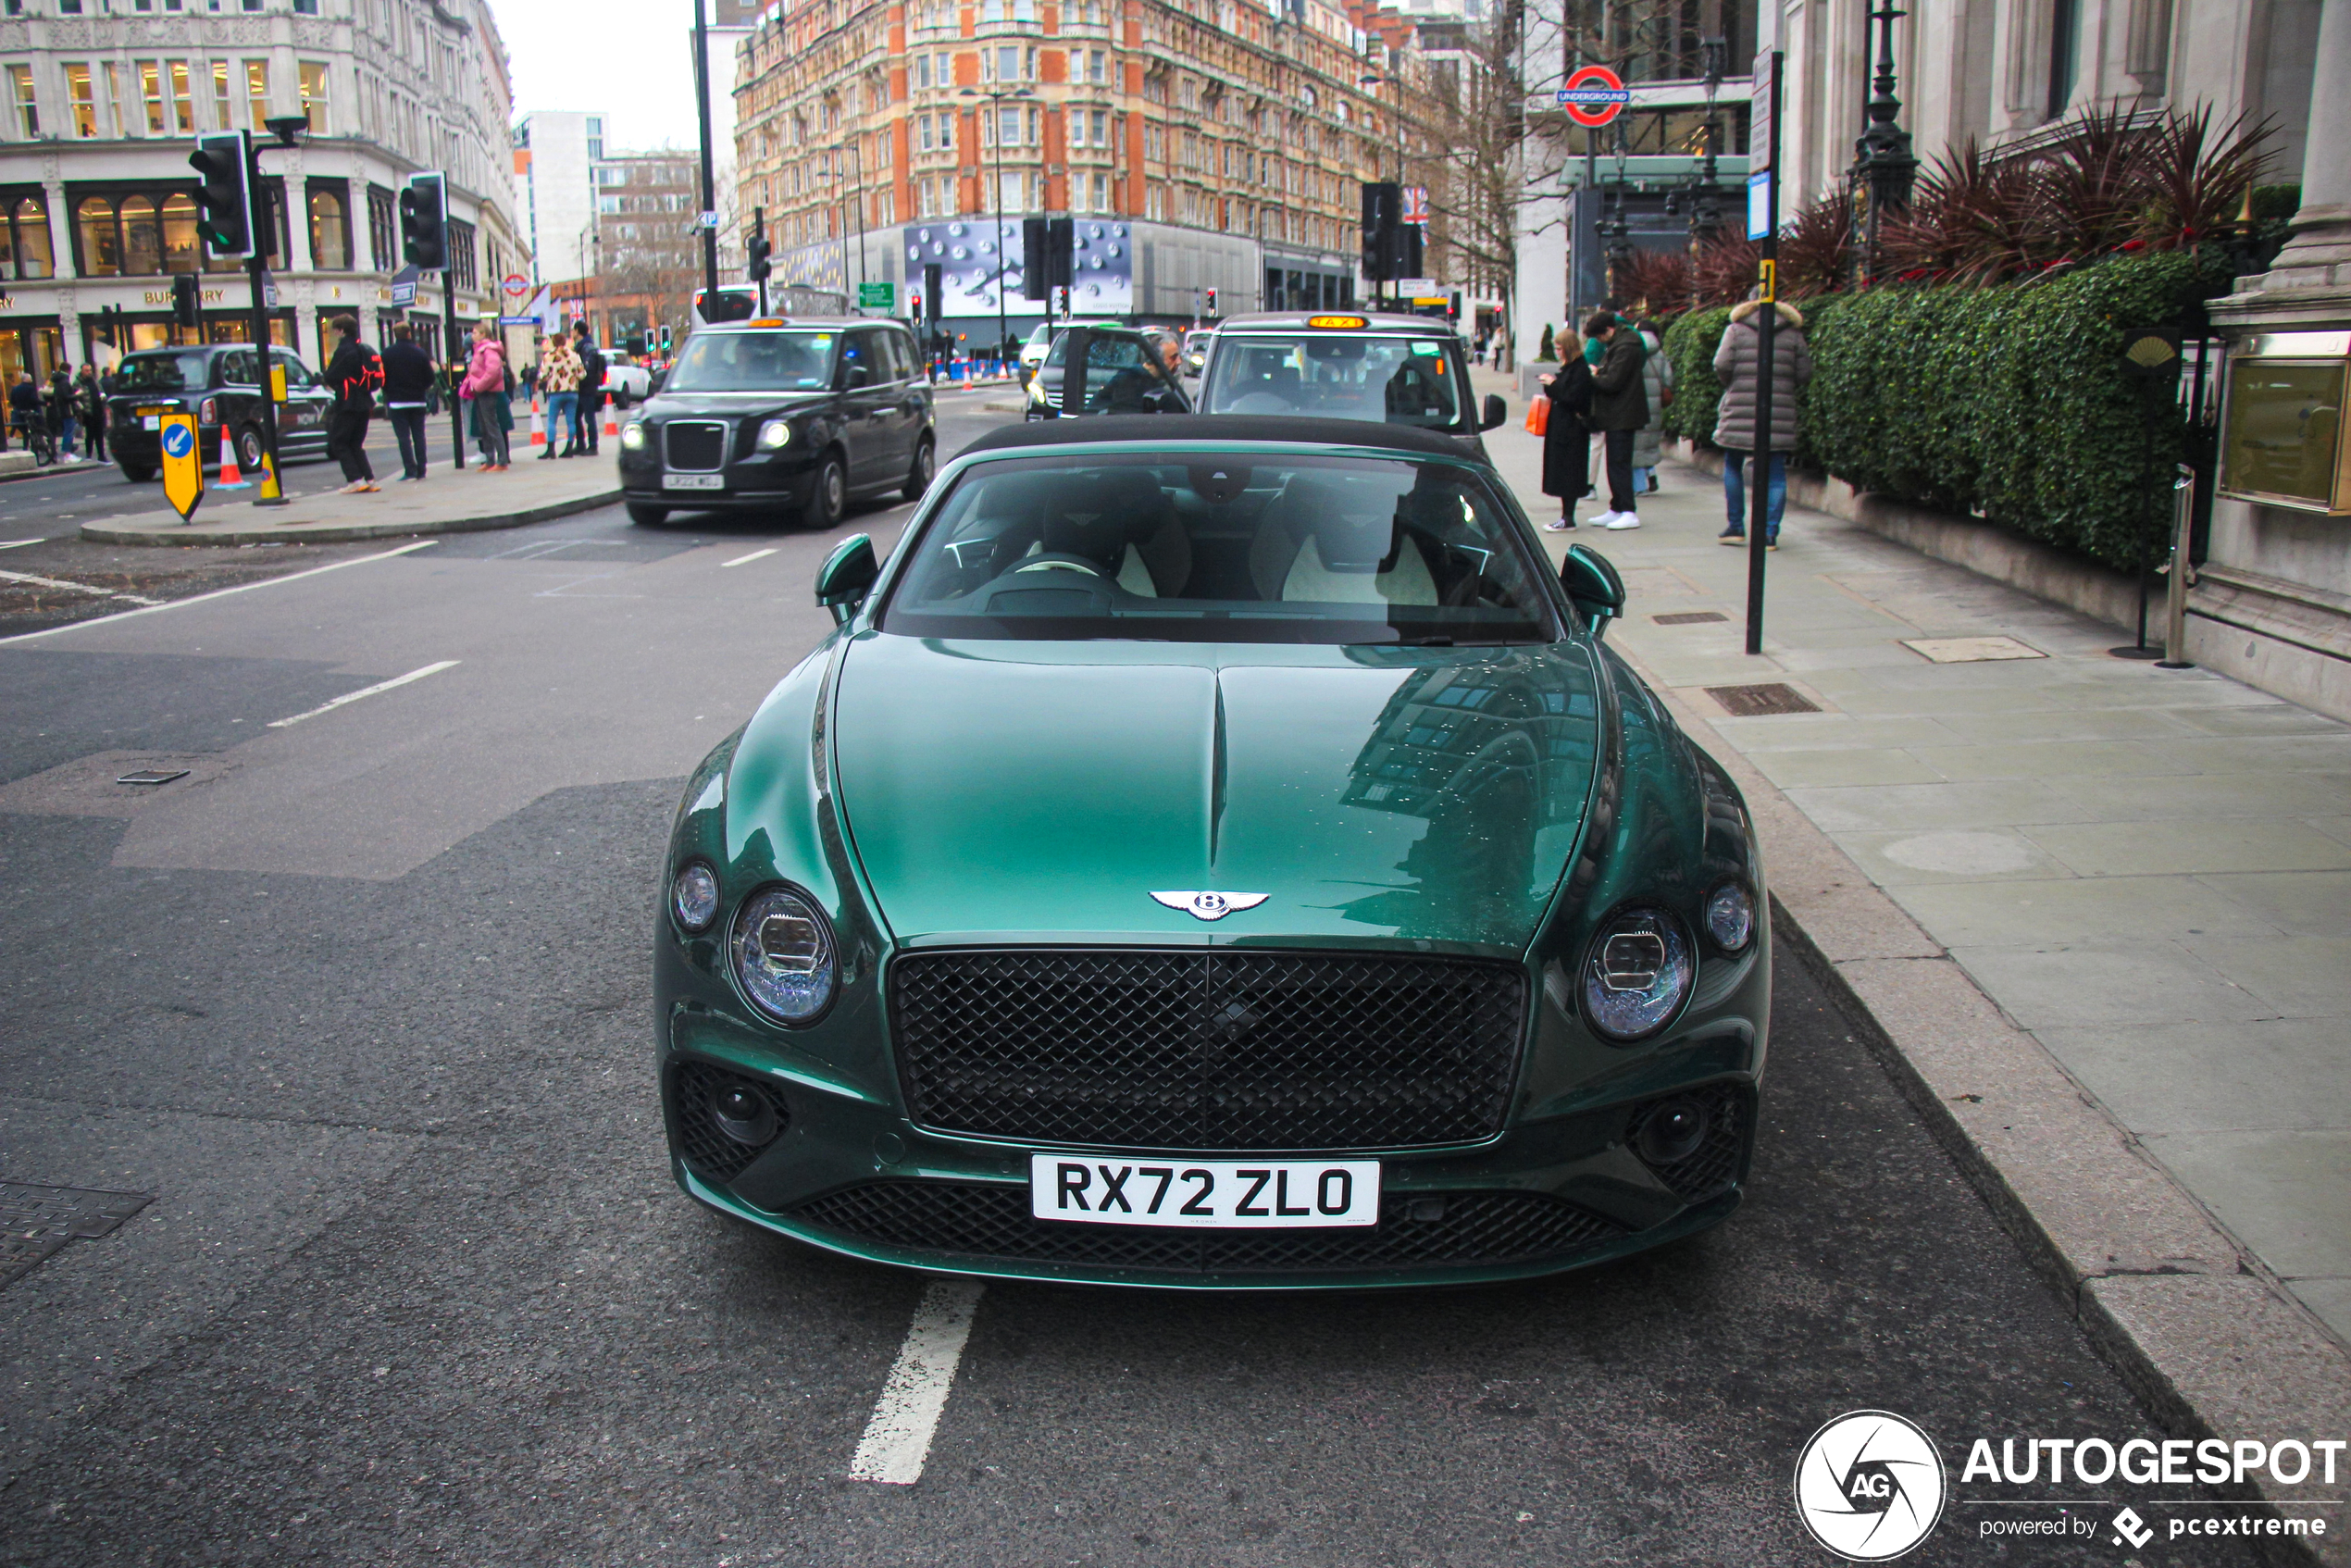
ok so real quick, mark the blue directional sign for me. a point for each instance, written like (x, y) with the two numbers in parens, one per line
(179, 441)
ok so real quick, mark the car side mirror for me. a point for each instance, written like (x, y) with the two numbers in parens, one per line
(1593, 586)
(847, 575)
(855, 376)
(654, 381)
(1497, 412)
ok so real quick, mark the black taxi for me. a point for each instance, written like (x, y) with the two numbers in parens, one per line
(1348, 364)
(790, 416)
(219, 383)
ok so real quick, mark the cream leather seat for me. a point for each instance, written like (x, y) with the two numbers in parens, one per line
(1341, 548)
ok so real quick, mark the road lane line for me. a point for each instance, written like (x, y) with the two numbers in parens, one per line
(218, 593)
(744, 560)
(73, 586)
(12, 543)
(364, 691)
(905, 1418)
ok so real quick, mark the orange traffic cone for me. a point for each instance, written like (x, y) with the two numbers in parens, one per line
(538, 423)
(230, 477)
(611, 421)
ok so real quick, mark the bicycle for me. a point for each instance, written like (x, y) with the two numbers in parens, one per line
(38, 439)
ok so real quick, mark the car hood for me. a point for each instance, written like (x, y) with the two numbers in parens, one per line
(669, 404)
(1044, 791)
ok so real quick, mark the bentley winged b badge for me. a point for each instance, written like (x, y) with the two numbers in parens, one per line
(1210, 905)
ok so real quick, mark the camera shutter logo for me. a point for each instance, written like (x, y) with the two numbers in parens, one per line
(1870, 1486)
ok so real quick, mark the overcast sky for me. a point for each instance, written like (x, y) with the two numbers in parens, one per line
(631, 59)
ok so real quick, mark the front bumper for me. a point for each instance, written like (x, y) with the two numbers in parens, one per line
(850, 1175)
(755, 484)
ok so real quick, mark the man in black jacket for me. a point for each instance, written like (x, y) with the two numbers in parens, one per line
(592, 388)
(1619, 407)
(407, 397)
(353, 376)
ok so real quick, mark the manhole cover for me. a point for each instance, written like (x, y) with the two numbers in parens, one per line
(1971, 650)
(1755, 701)
(153, 776)
(37, 1221)
(1689, 617)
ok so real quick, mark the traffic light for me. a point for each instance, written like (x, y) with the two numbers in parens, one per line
(223, 163)
(424, 222)
(665, 343)
(1383, 215)
(931, 281)
(185, 300)
(1048, 247)
(1211, 302)
(756, 249)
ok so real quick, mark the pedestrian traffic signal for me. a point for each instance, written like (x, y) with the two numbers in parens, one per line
(185, 300)
(665, 343)
(424, 222)
(224, 192)
(755, 251)
(1211, 302)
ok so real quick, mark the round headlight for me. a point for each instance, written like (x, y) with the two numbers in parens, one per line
(632, 434)
(775, 433)
(1730, 916)
(1637, 973)
(783, 949)
(694, 896)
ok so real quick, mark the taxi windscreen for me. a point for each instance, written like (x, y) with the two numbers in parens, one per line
(755, 362)
(1246, 547)
(1391, 379)
(162, 372)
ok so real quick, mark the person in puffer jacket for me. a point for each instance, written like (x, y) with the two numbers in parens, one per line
(1657, 379)
(1736, 361)
(485, 389)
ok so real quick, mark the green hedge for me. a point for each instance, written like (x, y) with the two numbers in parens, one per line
(1690, 343)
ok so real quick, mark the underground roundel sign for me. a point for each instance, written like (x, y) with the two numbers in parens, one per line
(1594, 96)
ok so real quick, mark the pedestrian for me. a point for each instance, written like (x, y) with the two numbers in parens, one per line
(24, 406)
(352, 376)
(1567, 433)
(90, 404)
(1657, 383)
(489, 387)
(559, 372)
(1736, 361)
(591, 384)
(61, 421)
(1619, 407)
(407, 397)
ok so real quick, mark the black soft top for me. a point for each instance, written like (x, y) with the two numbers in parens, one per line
(1110, 430)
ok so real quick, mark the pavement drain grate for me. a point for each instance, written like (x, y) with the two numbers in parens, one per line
(1755, 701)
(1970, 650)
(153, 776)
(36, 1221)
(1689, 617)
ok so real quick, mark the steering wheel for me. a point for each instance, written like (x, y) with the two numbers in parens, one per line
(1058, 561)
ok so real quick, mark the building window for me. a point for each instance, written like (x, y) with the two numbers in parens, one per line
(24, 241)
(79, 101)
(28, 115)
(381, 227)
(224, 114)
(314, 95)
(114, 98)
(151, 93)
(1155, 204)
(330, 233)
(101, 239)
(142, 238)
(1096, 68)
(305, 8)
(258, 94)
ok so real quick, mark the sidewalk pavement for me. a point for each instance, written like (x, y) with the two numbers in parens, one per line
(2097, 909)
(444, 501)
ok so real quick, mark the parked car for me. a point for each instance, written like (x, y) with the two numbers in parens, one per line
(1348, 364)
(1040, 341)
(793, 419)
(1128, 371)
(218, 383)
(1215, 853)
(1195, 351)
(627, 378)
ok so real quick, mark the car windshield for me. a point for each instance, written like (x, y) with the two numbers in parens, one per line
(162, 372)
(1395, 381)
(755, 362)
(1243, 546)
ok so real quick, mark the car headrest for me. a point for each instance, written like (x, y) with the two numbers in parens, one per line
(1083, 516)
(1354, 530)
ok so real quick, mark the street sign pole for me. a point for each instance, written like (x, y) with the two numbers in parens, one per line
(269, 491)
(1767, 89)
(701, 107)
(456, 358)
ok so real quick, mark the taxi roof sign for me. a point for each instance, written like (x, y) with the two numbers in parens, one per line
(1339, 321)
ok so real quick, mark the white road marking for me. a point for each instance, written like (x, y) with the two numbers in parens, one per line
(12, 543)
(73, 586)
(364, 691)
(905, 1418)
(218, 592)
(745, 560)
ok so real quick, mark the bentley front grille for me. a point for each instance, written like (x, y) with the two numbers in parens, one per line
(1134, 1048)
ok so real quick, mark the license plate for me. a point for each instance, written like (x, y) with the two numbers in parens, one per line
(147, 412)
(693, 482)
(1212, 1194)
(151, 421)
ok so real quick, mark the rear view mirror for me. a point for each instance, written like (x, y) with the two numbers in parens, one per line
(1496, 411)
(1593, 586)
(847, 575)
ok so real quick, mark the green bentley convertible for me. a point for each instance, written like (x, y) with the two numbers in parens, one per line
(1215, 853)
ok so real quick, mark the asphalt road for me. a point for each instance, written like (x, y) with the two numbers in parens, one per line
(363, 1001)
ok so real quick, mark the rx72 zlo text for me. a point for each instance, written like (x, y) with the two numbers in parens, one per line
(1220, 1194)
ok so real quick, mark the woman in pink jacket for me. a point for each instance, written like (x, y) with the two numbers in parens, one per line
(485, 387)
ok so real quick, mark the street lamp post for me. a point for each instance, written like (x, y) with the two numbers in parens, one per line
(1883, 165)
(996, 97)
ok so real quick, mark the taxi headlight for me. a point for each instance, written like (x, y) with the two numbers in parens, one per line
(774, 434)
(783, 953)
(1637, 975)
(632, 434)
(1036, 391)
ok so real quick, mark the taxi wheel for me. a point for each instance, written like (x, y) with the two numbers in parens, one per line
(249, 451)
(925, 465)
(136, 473)
(828, 496)
(648, 517)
